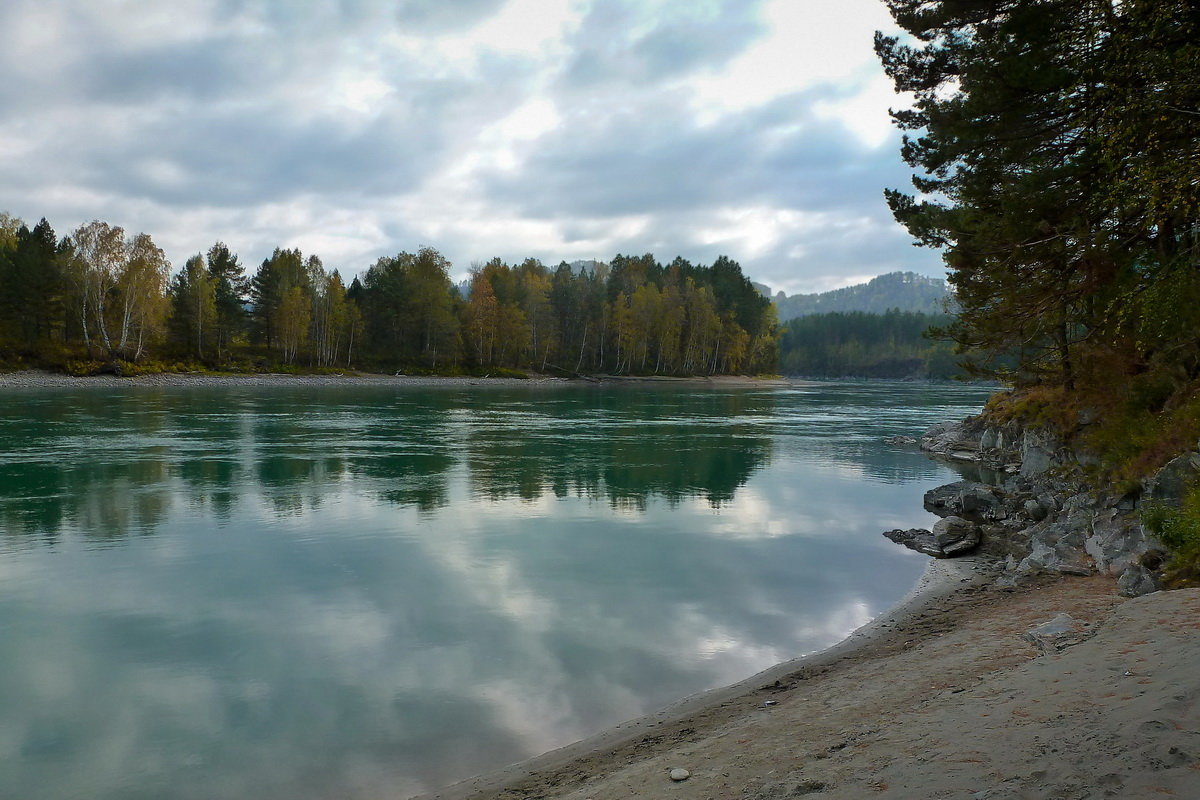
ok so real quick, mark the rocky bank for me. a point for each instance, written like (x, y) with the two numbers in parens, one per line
(1033, 511)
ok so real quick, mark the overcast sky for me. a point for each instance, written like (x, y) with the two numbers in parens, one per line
(557, 129)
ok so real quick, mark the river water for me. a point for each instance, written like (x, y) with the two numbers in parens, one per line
(359, 592)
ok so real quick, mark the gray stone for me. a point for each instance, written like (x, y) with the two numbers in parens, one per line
(1056, 547)
(1008, 438)
(1037, 453)
(1136, 581)
(961, 547)
(989, 439)
(1117, 541)
(938, 429)
(1171, 482)
(1060, 632)
(955, 535)
(917, 539)
(1035, 510)
(1048, 501)
(680, 774)
(979, 500)
(945, 501)
(1006, 540)
(899, 440)
(976, 502)
(955, 440)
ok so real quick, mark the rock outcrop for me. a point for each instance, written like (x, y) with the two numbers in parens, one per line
(1039, 515)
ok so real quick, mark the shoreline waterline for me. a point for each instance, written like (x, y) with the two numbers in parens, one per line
(943, 696)
(39, 379)
(942, 580)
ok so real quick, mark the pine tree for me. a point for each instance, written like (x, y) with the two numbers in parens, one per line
(194, 308)
(232, 291)
(1061, 138)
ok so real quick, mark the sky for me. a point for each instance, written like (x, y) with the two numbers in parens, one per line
(551, 129)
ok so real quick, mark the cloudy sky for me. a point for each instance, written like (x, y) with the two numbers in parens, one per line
(557, 129)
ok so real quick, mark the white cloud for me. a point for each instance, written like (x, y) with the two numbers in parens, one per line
(811, 42)
(757, 129)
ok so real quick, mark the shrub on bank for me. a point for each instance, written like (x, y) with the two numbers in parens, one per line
(1179, 529)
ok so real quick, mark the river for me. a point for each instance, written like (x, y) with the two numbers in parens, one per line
(357, 592)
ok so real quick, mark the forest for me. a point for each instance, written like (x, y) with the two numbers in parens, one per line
(860, 344)
(102, 300)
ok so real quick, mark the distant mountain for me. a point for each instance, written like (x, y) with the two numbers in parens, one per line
(906, 291)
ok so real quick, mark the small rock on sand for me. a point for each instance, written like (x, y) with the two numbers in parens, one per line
(1057, 634)
(680, 774)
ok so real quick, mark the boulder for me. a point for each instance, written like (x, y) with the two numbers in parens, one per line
(1136, 581)
(955, 440)
(981, 502)
(973, 501)
(1171, 482)
(1117, 541)
(956, 536)
(1048, 501)
(1035, 510)
(917, 539)
(945, 501)
(1007, 540)
(989, 439)
(1038, 448)
(1056, 547)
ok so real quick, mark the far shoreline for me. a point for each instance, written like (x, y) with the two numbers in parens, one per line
(41, 379)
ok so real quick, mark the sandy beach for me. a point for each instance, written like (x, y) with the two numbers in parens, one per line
(942, 698)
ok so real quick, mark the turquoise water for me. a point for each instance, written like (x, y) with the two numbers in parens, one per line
(361, 591)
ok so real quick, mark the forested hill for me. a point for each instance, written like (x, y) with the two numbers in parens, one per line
(861, 345)
(905, 291)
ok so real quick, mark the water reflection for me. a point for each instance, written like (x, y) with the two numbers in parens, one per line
(371, 593)
(292, 451)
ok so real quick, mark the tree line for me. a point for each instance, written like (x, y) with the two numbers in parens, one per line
(101, 294)
(1057, 146)
(860, 344)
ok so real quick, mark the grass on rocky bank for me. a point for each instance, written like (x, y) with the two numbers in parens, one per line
(1179, 529)
(1132, 430)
